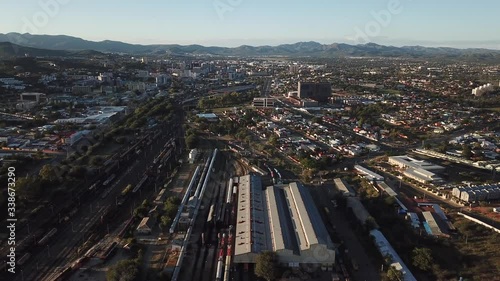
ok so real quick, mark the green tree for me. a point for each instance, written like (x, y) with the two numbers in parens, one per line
(266, 265)
(170, 210)
(174, 200)
(96, 160)
(273, 140)
(165, 221)
(48, 173)
(191, 141)
(125, 270)
(422, 258)
(466, 152)
(78, 172)
(370, 223)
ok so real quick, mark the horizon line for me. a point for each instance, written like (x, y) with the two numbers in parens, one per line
(284, 43)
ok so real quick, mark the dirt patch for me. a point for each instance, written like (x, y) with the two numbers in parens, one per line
(488, 212)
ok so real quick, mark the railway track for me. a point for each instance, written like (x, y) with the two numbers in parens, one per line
(240, 168)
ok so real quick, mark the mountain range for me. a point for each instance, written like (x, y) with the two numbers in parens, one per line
(47, 44)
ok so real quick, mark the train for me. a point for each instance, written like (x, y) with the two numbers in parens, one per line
(220, 259)
(139, 185)
(228, 257)
(94, 185)
(45, 239)
(126, 190)
(211, 214)
(229, 190)
(107, 181)
(108, 251)
(23, 259)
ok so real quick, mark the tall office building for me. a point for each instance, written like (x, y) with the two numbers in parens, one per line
(316, 91)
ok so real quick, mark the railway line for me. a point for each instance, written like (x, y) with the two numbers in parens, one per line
(211, 259)
(52, 260)
(206, 254)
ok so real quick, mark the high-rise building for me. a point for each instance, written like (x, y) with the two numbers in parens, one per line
(316, 91)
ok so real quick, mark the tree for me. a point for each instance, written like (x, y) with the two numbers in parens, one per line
(273, 140)
(174, 200)
(165, 221)
(85, 148)
(120, 140)
(48, 173)
(394, 275)
(96, 160)
(466, 152)
(422, 258)
(78, 172)
(370, 223)
(191, 141)
(171, 206)
(125, 270)
(266, 265)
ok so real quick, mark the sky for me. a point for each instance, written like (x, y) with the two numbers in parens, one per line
(452, 23)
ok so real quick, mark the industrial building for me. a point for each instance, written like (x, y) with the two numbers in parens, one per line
(386, 249)
(38, 97)
(358, 209)
(264, 102)
(210, 117)
(422, 176)
(431, 225)
(469, 194)
(385, 187)
(414, 220)
(419, 170)
(280, 218)
(405, 162)
(193, 154)
(145, 226)
(316, 91)
(368, 174)
(343, 187)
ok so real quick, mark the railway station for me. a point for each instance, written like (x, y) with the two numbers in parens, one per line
(280, 218)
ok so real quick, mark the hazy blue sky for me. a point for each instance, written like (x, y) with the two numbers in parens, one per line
(257, 22)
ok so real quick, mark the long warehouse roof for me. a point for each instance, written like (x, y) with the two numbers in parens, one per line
(282, 218)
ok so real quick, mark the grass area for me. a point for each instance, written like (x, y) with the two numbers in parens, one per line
(472, 253)
(222, 109)
(478, 251)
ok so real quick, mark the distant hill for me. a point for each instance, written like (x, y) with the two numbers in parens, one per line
(9, 50)
(300, 49)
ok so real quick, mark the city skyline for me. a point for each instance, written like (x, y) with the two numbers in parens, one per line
(237, 22)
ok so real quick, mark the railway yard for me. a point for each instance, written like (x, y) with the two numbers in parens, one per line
(58, 246)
